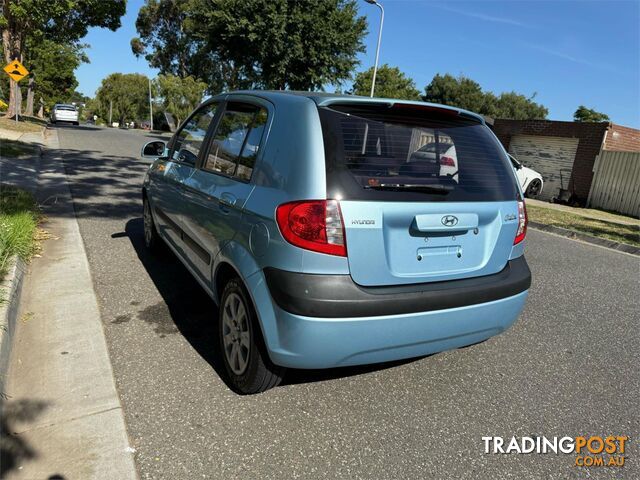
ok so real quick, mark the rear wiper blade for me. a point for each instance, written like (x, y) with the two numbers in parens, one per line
(439, 189)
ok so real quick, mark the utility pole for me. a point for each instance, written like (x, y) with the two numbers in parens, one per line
(375, 67)
(110, 111)
(150, 109)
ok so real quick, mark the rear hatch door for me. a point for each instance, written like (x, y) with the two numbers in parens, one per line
(407, 220)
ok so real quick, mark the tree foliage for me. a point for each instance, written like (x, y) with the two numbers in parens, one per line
(179, 95)
(584, 114)
(52, 65)
(461, 92)
(163, 41)
(233, 44)
(390, 83)
(129, 94)
(27, 23)
(465, 93)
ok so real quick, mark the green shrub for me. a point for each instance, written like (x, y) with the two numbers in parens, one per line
(18, 223)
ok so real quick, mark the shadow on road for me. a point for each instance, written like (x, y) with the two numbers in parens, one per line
(71, 125)
(100, 184)
(195, 315)
(190, 310)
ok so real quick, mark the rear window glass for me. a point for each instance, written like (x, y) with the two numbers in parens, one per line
(406, 153)
(70, 108)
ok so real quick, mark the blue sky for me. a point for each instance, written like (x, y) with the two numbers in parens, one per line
(570, 52)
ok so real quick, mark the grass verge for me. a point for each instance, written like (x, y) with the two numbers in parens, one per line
(25, 125)
(15, 148)
(629, 234)
(19, 217)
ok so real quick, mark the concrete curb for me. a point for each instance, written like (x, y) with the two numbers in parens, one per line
(60, 361)
(11, 287)
(602, 242)
(12, 283)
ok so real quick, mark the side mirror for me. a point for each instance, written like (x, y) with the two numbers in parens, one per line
(153, 149)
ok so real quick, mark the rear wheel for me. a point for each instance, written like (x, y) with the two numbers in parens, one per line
(533, 189)
(152, 239)
(244, 354)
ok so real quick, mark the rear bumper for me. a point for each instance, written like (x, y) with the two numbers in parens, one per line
(338, 296)
(65, 117)
(305, 342)
(361, 330)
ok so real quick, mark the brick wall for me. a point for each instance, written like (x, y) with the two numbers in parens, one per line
(622, 139)
(590, 136)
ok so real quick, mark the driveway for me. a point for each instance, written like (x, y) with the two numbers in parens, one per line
(568, 367)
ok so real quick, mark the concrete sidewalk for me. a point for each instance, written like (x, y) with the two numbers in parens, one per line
(587, 213)
(63, 415)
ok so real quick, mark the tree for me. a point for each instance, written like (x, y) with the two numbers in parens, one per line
(233, 44)
(62, 21)
(126, 95)
(584, 114)
(462, 92)
(163, 41)
(52, 67)
(179, 95)
(390, 83)
(518, 107)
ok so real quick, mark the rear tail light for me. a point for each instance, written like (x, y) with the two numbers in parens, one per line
(448, 161)
(522, 222)
(314, 225)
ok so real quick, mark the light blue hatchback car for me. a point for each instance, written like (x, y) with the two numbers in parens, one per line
(326, 242)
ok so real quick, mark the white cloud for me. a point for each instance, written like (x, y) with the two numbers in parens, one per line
(482, 16)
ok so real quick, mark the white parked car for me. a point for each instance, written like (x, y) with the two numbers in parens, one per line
(530, 180)
(448, 159)
(64, 113)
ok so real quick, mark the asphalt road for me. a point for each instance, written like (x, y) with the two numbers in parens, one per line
(568, 367)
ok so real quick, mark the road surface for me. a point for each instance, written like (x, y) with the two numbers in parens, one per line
(568, 367)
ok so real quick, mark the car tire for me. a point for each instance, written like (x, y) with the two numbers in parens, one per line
(244, 354)
(77, 124)
(152, 240)
(533, 189)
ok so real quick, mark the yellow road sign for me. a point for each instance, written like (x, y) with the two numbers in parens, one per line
(16, 70)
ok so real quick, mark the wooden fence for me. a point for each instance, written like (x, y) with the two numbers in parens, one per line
(616, 182)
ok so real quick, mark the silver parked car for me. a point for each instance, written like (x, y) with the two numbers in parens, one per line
(63, 112)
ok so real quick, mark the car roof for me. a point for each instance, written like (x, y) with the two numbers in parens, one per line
(323, 99)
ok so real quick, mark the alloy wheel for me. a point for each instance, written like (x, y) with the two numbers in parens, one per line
(236, 334)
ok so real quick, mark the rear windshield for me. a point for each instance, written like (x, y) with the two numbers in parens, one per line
(70, 108)
(412, 153)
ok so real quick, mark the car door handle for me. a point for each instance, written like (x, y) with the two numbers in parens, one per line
(226, 200)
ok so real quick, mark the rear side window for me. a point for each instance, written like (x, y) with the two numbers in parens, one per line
(237, 139)
(411, 153)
